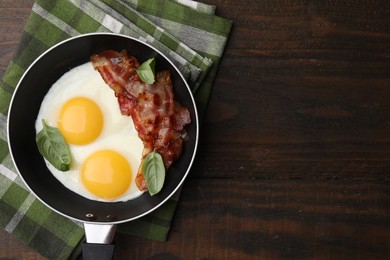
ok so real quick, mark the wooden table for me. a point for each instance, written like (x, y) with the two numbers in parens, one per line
(294, 157)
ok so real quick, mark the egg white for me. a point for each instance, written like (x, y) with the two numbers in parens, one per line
(118, 132)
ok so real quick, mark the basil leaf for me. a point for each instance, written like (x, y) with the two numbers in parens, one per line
(146, 71)
(51, 144)
(154, 172)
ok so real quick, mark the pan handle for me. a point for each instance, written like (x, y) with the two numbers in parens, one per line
(99, 239)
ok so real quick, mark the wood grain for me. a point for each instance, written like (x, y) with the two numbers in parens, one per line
(270, 219)
(308, 85)
(294, 156)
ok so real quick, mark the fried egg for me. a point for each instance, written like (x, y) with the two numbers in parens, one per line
(104, 145)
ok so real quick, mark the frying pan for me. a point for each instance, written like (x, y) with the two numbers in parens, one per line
(99, 218)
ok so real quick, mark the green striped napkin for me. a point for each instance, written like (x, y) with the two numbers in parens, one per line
(186, 31)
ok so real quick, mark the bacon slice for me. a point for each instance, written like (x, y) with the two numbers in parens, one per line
(158, 118)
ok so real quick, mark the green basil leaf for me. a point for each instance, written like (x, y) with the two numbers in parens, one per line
(146, 71)
(154, 172)
(51, 144)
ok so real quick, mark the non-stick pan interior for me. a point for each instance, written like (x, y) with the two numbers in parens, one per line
(21, 126)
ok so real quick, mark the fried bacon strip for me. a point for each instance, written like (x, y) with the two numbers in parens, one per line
(158, 118)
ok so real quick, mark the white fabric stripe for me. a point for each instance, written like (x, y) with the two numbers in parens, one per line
(3, 127)
(54, 20)
(7, 173)
(21, 212)
(191, 4)
(112, 24)
(4, 185)
(194, 37)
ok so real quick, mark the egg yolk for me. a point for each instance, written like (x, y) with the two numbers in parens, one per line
(106, 174)
(80, 121)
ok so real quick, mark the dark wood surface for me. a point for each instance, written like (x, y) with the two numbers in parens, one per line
(294, 157)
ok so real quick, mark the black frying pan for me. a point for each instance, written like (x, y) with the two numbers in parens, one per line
(50, 66)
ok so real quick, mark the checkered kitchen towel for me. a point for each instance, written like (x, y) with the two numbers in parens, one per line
(186, 31)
